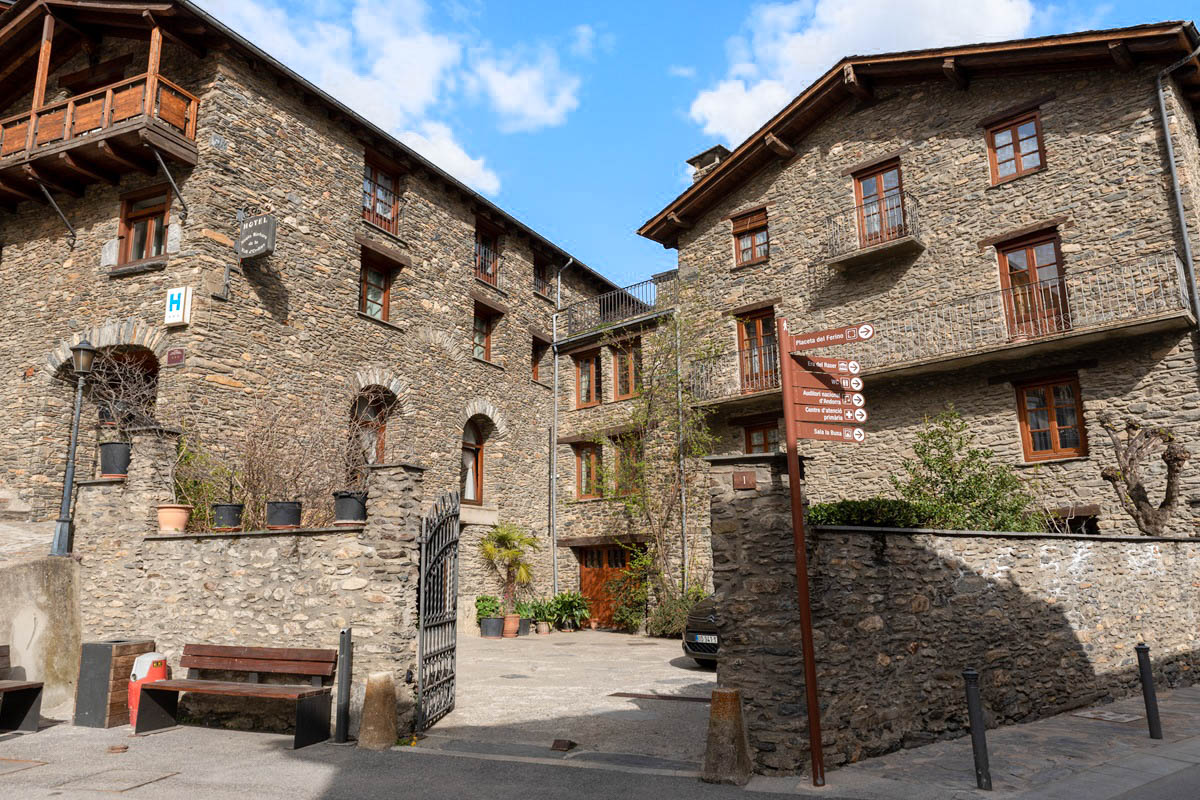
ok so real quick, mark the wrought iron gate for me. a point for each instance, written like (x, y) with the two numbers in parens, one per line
(437, 609)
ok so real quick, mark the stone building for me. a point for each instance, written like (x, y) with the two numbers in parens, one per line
(132, 138)
(1020, 224)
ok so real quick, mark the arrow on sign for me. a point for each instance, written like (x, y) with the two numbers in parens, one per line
(825, 397)
(832, 336)
(835, 414)
(839, 366)
(830, 433)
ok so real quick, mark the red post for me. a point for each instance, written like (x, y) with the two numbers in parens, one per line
(787, 368)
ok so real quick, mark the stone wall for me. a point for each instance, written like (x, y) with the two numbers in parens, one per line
(39, 621)
(1049, 621)
(271, 588)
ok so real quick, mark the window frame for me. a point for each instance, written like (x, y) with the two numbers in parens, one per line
(1012, 123)
(1061, 322)
(542, 282)
(631, 351)
(887, 232)
(595, 457)
(477, 450)
(490, 316)
(766, 428)
(388, 270)
(751, 224)
(377, 425)
(372, 171)
(130, 217)
(1057, 452)
(592, 357)
(485, 231)
(538, 351)
(768, 373)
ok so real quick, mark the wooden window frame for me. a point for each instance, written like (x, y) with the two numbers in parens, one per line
(543, 284)
(592, 358)
(485, 231)
(765, 428)
(632, 352)
(373, 171)
(593, 455)
(1012, 123)
(477, 449)
(537, 353)
(766, 371)
(377, 400)
(490, 317)
(129, 218)
(389, 270)
(1056, 452)
(1060, 320)
(887, 232)
(751, 224)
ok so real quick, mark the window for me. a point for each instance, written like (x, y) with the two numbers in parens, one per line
(471, 476)
(541, 277)
(380, 196)
(482, 327)
(1051, 413)
(369, 421)
(587, 380)
(144, 219)
(626, 369)
(487, 253)
(629, 456)
(616, 558)
(1035, 291)
(750, 243)
(1015, 147)
(587, 471)
(762, 438)
(758, 353)
(538, 352)
(375, 287)
(878, 194)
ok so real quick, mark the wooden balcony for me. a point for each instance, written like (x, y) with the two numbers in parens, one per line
(97, 136)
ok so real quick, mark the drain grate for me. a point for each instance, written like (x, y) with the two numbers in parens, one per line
(637, 696)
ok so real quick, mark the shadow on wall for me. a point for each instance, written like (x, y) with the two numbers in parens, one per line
(270, 288)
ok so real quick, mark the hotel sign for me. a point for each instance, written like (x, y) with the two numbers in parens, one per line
(256, 237)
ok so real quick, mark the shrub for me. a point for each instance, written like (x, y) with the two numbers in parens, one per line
(883, 512)
(543, 609)
(524, 608)
(670, 615)
(630, 591)
(570, 608)
(487, 605)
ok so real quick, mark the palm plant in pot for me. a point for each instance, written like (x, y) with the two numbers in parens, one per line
(487, 613)
(505, 549)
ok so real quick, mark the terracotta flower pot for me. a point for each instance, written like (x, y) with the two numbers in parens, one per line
(173, 518)
(543, 628)
(512, 624)
(594, 623)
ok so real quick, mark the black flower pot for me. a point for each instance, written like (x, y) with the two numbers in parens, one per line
(523, 629)
(114, 459)
(349, 508)
(227, 516)
(282, 514)
(492, 627)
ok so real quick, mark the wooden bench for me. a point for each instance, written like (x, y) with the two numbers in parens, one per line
(20, 701)
(159, 704)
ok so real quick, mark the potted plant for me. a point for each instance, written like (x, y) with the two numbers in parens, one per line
(349, 508)
(505, 549)
(227, 516)
(114, 459)
(487, 612)
(543, 613)
(525, 609)
(283, 514)
(570, 610)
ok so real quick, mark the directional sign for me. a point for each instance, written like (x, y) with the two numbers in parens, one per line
(831, 433)
(825, 397)
(819, 380)
(836, 414)
(831, 337)
(840, 366)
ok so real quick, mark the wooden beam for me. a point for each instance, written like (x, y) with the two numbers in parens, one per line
(19, 61)
(955, 74)
(21, 193)
(51, 183)
(855, 85)
(125, 159)
(175, 36)
(778, 146)
(678, 221)
(89, 171)
(43, 69)
(1120, 54)
(89, 39)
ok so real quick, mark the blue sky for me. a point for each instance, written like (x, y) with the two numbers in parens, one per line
(578, 117)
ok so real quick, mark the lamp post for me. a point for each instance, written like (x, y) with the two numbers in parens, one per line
(82, 356)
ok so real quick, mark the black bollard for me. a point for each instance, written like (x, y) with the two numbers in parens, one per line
(983, 774)
(1148, 695)
(341, 728)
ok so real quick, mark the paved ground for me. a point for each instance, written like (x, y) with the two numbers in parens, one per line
(516, 696)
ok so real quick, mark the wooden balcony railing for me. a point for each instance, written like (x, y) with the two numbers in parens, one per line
(97, 111)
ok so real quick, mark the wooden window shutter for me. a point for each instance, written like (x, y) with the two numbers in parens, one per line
(751, 221)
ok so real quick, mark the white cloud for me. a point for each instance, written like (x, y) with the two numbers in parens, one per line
(528, 94)
(785, 46)
(436, 141)
(583, 40)
(679, 71)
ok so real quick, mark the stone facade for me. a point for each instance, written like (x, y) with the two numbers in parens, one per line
(1049, 621)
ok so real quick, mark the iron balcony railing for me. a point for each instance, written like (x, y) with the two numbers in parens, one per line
(750, 369)
(487, 263)
(619, 305)
(893, 217)
(542, 283)
(1111, 296)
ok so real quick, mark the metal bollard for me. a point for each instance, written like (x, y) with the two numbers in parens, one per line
(983, 774)
(341, 730)
(1148, 694)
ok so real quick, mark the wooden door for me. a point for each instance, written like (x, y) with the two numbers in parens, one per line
(597, 566)
(1035, 292)
(880, 205)
(759, 355)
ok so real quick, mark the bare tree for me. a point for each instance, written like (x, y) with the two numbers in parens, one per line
(1133, 444)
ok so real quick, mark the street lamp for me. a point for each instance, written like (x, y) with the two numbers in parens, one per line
(82, 356)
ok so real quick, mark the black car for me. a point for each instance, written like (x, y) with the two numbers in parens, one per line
(700, 638)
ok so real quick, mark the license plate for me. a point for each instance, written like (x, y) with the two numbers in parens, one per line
(705, 638)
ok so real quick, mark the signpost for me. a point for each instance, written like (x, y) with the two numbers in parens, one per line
(822, 400)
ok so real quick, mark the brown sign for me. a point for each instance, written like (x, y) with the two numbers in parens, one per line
(831, 337)
(847, 414)
(817, 380)
(833, 366)
(825, 397)
(745, 480)
(830, 433)
(175, 357)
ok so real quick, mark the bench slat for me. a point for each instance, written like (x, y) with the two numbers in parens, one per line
(235, 689)
(13, 686)
(4, 658)
(261, 653)
(257, 665)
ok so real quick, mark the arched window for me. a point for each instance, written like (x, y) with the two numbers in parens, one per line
(369, 425)
(124, 385)
(471, 482)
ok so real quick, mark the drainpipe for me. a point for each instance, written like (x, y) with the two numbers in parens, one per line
(554, 427)
(1188, 264)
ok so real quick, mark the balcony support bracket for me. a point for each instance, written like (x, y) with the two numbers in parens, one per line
(61, 215)
(183, 209)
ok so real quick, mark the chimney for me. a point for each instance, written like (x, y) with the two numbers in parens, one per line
(707, 161)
